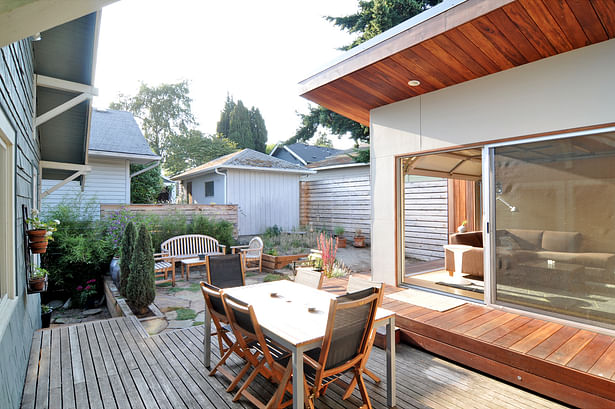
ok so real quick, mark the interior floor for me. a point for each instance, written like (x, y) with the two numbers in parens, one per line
(431, 274)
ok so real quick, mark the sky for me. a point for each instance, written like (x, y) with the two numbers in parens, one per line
(256, 51)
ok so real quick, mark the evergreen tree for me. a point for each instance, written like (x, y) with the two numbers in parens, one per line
(259, 131)
(128, 242)
(141, 288)
(194, 149)
(240, 131)
(225, 117)
(145, 188)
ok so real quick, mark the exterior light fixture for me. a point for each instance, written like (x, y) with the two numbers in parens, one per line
(36, 37)
(414, 83)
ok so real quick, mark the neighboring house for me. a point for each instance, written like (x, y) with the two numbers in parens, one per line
(265, 188)
(303, 154)
(115, 142)
(45, 93)
(516, 100)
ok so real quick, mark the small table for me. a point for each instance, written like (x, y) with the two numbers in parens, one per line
(458, 250)
(193, 262)
(558, 275)
(286, 320)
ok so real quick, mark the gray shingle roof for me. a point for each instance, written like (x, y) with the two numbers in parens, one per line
(117, 131)
(310, 153)
(245, 158)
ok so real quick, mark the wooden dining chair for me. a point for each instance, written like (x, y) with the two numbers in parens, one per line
(310, 278)
(250, 337)
(226, 271)
(356, 283)
(345, 345)
(215, 305)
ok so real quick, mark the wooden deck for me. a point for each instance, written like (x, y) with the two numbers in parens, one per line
(112, 364)
(572, 365)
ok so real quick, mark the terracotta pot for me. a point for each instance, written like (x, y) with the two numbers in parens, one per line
(37, 284)
(37, 235)
(38, 247)
(359, 241)
(341, 242)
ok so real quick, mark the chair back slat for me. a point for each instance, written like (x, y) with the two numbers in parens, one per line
(310, 278)
(351, 319)
(356, 283)
(225, 271)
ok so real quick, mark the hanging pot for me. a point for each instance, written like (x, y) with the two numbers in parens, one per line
(37, 284)
(38, 247)
(38, 241)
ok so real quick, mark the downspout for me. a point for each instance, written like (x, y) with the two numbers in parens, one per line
(222, 174)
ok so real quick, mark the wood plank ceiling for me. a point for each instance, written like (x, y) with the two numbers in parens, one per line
(514, 34)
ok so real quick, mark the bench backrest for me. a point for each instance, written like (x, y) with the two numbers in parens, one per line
(190, 244)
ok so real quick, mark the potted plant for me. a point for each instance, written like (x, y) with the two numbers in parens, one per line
(40, 232)
(46, 315)
(339, 233)
(359, 238)
(38, 279)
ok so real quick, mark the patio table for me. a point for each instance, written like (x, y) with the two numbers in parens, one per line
(195, 261)
(285, 319)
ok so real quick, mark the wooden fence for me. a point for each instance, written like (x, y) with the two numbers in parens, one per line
(212, 211)
(426, 219)
(344, 202)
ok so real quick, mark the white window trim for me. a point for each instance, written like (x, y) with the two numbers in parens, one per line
(7, 210)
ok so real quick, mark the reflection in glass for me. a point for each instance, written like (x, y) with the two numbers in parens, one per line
(554, 218)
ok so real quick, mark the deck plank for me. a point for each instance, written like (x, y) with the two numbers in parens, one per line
(605, 366)
(571, 347)
(536, 337)
(548, 346)
(588, 356)
(119, 393)
(28, 400)
(55, 371)
(91, 382)
(42, 390)
(68, 390)
(102, 377)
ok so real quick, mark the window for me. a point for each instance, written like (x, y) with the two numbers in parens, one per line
(7, 211)
(209, 189)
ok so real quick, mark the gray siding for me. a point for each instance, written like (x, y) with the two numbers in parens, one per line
(198, 189)
(264, 199)
(22, 315)
(107, 183)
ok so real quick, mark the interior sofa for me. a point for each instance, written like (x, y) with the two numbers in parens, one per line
(516, 246)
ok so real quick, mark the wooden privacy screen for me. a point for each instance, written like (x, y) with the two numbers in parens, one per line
(464, 204)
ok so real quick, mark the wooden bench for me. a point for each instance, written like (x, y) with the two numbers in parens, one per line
(190, 246)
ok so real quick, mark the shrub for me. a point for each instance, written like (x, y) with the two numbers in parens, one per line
(328, 250)
(339, 231)
(221, 230)
(128, 243)
(141, 288)
(116, 225)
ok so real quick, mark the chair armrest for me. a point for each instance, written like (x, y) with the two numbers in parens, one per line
(244, 246)
(311, 362)
(222, 248)
(161, 254)
(164, 257)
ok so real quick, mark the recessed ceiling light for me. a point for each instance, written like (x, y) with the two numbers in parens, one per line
(414, 83)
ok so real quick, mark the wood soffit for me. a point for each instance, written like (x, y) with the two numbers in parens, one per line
(468, 41)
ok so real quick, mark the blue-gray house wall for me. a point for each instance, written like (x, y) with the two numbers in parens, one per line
(20, 316)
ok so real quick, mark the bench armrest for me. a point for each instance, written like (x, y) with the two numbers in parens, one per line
(222, 248)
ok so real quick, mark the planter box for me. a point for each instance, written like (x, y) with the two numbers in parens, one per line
(271, 263)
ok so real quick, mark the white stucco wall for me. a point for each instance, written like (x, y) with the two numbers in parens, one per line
(570, 90)
(107, 183)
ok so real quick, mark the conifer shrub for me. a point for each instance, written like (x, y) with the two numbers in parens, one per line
(128, 243)
(141, 288)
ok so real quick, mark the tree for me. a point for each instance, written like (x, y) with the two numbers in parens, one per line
(323, 141)
(164, 111)
(145, 188)
(141, 288)
(128, 242)
(245, 127)
(372, 18)
(194, 149)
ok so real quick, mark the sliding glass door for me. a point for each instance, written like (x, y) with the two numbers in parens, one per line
(552, 207)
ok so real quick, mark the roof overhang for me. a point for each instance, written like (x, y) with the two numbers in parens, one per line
(132, 157)
(454, 42)
(187, 176)
(65, 61)
(24, 18)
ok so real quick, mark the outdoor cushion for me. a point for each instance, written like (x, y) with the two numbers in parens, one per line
(161, 264)
(561, 241)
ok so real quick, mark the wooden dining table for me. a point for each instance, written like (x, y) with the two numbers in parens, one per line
(295, 316)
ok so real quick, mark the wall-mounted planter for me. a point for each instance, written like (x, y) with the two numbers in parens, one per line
(38, 241)
(37, 284)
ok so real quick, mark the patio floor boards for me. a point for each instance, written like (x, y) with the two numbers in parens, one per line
(113, 364)
(569, 364)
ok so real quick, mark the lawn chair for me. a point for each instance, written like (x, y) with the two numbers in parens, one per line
(345, 345)
(310, 278)
(250, 337)
(164, 265)
(215, 305)
(355, 284)
(226, 271)
(252, 254)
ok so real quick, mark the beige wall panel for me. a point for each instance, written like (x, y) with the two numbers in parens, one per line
(570, 90)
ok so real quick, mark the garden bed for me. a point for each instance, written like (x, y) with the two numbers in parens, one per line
(271, 263)
(118, 307)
